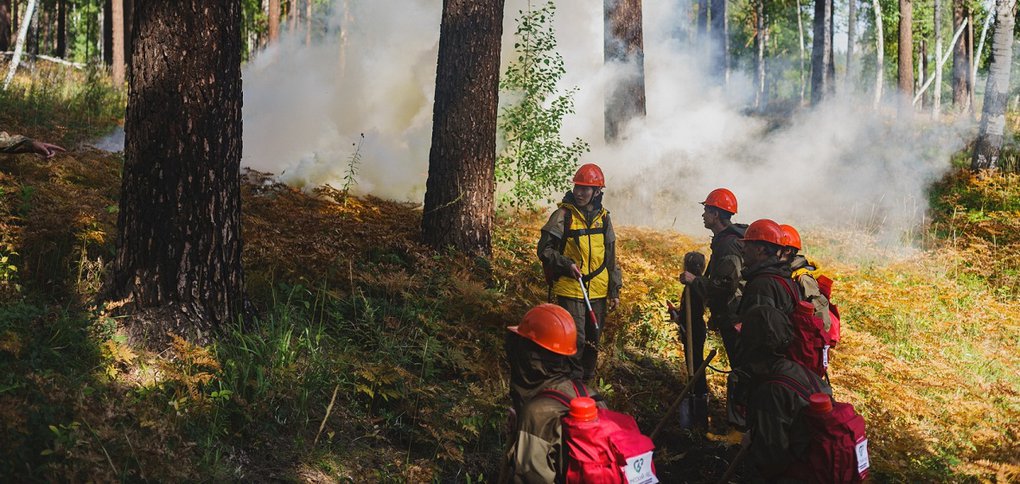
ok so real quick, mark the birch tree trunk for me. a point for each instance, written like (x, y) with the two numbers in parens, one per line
(981, 43)
(19, 45)
(936, 105)
(760, 39)
(879, 53)
(993, 116)
(800, 33)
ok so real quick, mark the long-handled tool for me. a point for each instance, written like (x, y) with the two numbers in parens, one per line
(587, 302)
(683, 393)
(734, 464)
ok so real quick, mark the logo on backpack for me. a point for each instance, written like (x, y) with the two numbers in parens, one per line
(602, 445)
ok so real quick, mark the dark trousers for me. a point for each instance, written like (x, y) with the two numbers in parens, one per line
(698, 335)
(583, 362)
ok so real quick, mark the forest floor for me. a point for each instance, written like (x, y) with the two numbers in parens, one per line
(375, 359)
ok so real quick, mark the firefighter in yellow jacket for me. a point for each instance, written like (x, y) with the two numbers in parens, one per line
(578, 247)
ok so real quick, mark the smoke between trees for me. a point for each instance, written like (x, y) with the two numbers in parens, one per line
(840, 164)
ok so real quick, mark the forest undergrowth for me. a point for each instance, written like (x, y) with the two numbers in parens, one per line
(374, 359)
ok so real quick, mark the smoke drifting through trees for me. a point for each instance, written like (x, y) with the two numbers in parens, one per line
(841, 163)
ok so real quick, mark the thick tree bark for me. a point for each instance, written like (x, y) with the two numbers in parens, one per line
(906, 47)
(623, 42)
(178, 241)
(117, 10)
(961, 58)
(879, 54)
(719, 45)
(61, 28)
(821, 52)
(993, 116)
(460, 191)
(5, 25)
(274, 20)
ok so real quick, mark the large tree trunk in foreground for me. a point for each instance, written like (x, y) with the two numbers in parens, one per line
(623, 42)
(993, 116)
(460, 191)
(5, 25)
(821, 52)
(178, 240)
(906, 58)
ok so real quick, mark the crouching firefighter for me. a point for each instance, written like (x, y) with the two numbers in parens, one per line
(577, 248)
(798, 433)
(562, 430)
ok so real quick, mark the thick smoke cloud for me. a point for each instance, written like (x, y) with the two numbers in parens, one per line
(840, 164)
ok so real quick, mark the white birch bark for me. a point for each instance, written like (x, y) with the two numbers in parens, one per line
(879, 53)
(19, 46)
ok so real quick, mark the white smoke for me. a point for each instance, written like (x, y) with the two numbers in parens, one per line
(840, 163)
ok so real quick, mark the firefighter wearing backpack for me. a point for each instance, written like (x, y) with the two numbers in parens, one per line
(806, 274)
(578, 242)
(564, 433)
(717, 289)
(766, 277)
(539, 351)
(798, 433)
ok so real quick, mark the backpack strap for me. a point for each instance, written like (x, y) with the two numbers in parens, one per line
(579, 390)
(576, 234)
(788, 285)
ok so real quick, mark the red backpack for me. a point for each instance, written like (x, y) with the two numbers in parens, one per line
(810, 345)
(838, 445)
(608, 450)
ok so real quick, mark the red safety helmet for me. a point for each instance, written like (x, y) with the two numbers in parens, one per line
(722, 199)
(765, 230)
(590, 175)
(791, 238)
(550, 327)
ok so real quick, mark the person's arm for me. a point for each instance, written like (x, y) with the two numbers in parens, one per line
(552, 234)
(21, 144)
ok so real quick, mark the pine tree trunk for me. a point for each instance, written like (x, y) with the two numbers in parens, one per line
(851, 39)
(19, 44)
(274, 20)
(178, 240)
(961, 58)
(308, 22)
(719, 44)
(702, 19)
(761, 40)
(117, 11)
(821, 51)
(993, 116)
(879, 54)
(460, 191)
(292, 14)
(623, 42)
(922, 69)
(5, 25)
(906, 47)
(936, 100)
(61, 28)
(108, 32)
(129, 31)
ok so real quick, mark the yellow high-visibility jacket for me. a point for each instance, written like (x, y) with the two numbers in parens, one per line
(586, 245)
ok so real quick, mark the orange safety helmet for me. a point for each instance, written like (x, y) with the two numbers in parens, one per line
(550, 327)
(722, 199)
(590, 175)
(791, 238)
(765, 230)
